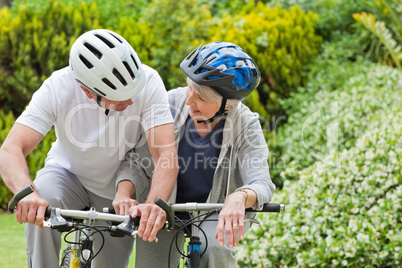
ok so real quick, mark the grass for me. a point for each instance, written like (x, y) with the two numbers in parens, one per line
(12, 243)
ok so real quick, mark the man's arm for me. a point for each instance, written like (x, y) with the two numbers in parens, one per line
(13, 169)
(162, 146)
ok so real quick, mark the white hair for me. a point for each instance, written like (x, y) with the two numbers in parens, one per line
(211, 94)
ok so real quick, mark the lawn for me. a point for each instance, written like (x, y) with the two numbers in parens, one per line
(12, 242)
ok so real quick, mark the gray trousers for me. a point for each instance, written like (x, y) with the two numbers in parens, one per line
(156, 254)
(62, 189)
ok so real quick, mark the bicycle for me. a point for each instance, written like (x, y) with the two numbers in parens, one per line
(193, 256)
(79, 252)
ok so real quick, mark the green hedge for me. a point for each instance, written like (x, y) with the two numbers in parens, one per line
(348, 215)
(35, 160)
(332, 111)
(35, 40)
(281, 42)
(33, 45)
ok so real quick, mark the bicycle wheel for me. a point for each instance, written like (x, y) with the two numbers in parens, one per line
(65, 261)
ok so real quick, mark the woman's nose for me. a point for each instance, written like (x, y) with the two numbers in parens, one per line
(189, 99)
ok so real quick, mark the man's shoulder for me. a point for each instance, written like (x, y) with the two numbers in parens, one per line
(64, 73)
(149, 71)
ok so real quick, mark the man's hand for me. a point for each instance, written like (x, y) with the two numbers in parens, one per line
(153, 218)
(31, 209)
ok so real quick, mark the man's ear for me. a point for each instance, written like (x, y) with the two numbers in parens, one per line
(87, 92)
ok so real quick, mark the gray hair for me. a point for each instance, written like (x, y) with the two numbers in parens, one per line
(211, 94)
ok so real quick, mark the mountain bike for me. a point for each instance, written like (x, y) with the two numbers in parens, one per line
(200, 212)
(79, 252)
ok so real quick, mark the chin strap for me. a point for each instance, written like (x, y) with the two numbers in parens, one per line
(219, 114)
(98, 100)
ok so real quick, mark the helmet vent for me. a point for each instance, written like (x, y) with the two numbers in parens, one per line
(135, 62)
(119, 76)
(240, 63)
(118, 39)
(91, 48)
(129, 69)
(86, 62)
(212, 57)
(107, 42)
(107, 82)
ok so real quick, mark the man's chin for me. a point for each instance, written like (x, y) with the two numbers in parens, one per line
(118, 108)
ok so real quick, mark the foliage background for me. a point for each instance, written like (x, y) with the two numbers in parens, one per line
(329, 104)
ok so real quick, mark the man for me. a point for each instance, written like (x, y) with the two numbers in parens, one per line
(100, 105)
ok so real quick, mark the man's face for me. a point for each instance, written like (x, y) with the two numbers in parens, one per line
(109, 104)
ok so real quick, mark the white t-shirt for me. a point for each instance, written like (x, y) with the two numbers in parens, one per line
(90, 144)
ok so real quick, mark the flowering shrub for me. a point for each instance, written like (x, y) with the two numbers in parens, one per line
(350, 214)
(331, 112)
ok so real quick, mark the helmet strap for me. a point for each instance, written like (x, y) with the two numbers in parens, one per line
(219, 114)
(98, 100)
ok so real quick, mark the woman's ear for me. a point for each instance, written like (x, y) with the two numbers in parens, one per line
(87, 92)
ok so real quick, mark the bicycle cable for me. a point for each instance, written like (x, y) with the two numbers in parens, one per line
(96, 229)
(185, 225)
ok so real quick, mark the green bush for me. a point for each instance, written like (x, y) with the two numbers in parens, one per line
(344, 216)
(332, 111)
(335, 16)
(281, 42)
(35, 160)
(33, 45)
(381, 32)
(178, 27)
(109, 12)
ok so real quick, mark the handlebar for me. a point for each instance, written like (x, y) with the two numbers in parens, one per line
(59, 219)
(128, 224)
(170, 209)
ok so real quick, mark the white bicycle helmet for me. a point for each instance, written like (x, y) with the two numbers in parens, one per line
(105, 63)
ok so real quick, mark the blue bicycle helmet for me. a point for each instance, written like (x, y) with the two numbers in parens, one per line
(224, 67)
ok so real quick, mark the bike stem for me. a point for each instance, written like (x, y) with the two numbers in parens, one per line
(194, 244)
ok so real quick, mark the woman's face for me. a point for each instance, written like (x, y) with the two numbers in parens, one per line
(200, 108)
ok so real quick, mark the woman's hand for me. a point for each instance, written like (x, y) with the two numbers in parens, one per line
(231, 220)
(122, 201)
(122, 205)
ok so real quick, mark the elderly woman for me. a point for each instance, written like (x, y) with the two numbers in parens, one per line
(222, 154)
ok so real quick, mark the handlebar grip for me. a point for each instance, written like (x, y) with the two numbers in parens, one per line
(269, 207)
(166, 207)
(18, 196)
(48, 212)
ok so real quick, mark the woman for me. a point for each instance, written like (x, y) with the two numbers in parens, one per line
(222, 153)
